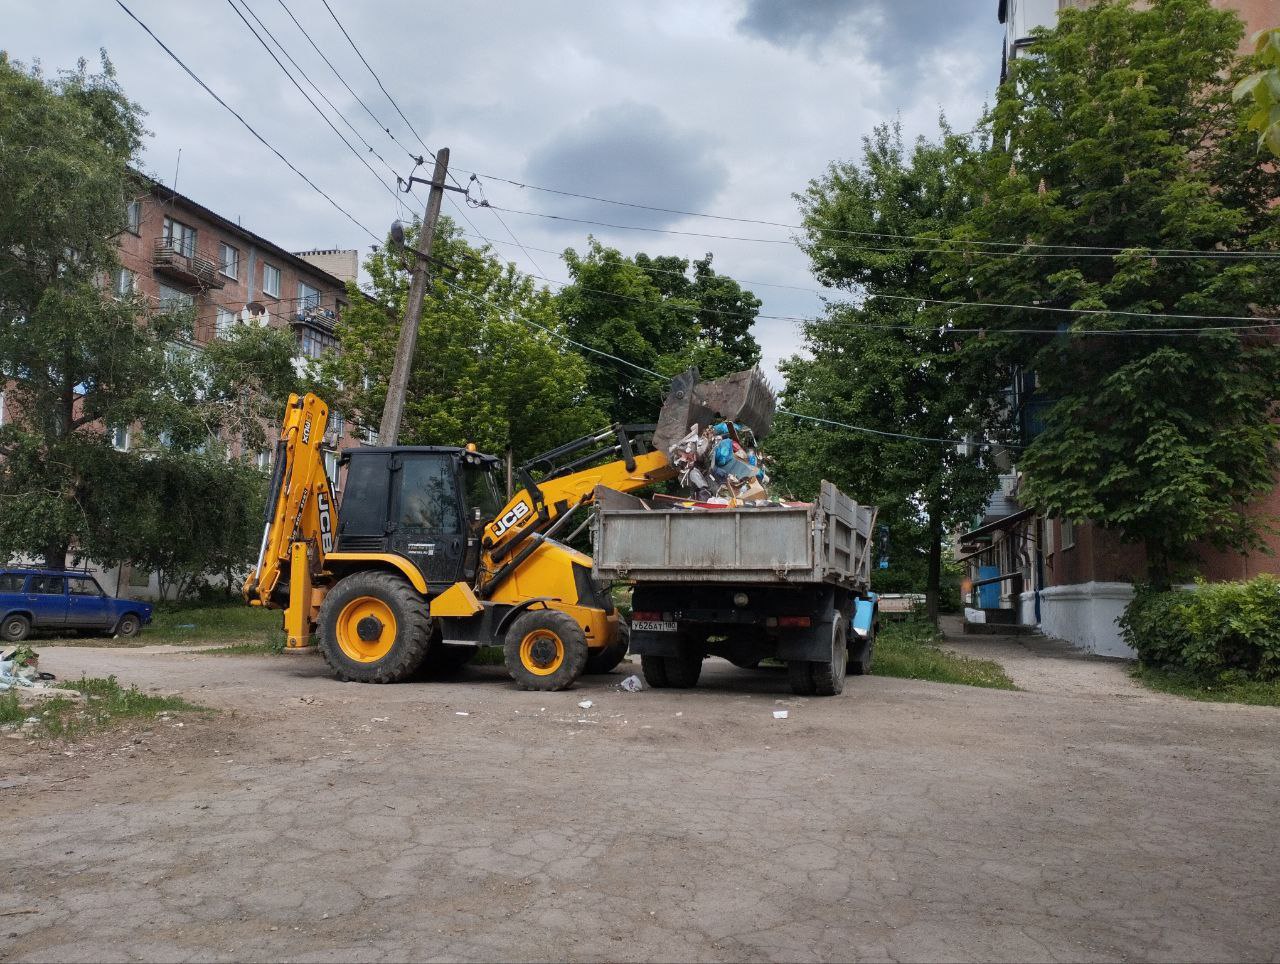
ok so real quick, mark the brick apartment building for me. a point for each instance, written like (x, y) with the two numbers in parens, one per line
(175, 251)
(1074, 579)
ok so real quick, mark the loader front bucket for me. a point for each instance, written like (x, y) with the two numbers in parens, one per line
(744, 397)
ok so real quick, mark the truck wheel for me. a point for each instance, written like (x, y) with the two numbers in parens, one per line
(603, 660)
(129, 626)
(655, 671)
(374, 628)
(801, 674)
(545, 650)
(15, 628)
(828, 675)
(685, 667)
(861, 652)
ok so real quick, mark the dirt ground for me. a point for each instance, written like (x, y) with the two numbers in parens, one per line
(1081, 818)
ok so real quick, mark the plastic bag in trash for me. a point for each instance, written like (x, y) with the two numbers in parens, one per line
(632, 684)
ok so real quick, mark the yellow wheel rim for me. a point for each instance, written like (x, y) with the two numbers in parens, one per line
(366, 629)
(541, 652)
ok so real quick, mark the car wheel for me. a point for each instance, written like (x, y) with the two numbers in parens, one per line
(129, 626)
(15, 628)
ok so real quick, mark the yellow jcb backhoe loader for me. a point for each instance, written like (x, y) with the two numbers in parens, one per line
(424, 563)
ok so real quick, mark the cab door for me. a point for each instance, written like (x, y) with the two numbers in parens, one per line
(427, 513)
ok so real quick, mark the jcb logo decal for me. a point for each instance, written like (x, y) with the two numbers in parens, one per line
(326, 522)
(509, 520)
(306, 431)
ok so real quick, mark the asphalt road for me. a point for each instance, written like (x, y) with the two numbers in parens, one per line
(1078, 819)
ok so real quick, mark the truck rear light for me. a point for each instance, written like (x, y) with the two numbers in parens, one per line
(646, 616)
(794, 621)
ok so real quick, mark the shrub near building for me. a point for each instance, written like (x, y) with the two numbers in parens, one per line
(1217, 635)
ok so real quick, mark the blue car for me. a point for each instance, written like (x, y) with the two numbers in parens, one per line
(63, 602)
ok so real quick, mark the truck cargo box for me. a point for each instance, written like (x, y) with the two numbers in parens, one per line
(828, 541)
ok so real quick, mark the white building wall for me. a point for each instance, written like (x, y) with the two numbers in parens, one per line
(1085, 614)
(1024, 16)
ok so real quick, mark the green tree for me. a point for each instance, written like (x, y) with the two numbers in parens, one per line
(491, 365)
(648, 311)
(78, 360)
(887, 362)
(1263, 88)
(1120, 135)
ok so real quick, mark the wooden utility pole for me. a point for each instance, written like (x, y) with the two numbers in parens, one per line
(393, 408)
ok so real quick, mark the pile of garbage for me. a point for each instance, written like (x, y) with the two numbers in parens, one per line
(710, 432)
(19, 670)
(720, 464)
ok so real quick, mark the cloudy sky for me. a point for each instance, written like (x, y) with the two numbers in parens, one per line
(717, 106)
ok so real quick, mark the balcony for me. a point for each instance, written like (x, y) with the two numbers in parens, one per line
(190, 269)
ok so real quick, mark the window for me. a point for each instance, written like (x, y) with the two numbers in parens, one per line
(264, 460)
(120, 439)
(1046, 536)
(308, 297)
(139, 578)
(331, 466)
(270, 281)
(428, 498)
(172, 299)
(315, 343)
(1, 408)
(229, 260)
(124, 283)
(87, 586)
(1068, 533)
(337, 423)
(369, 435)
(180, 237)
(12, 582)
(222, 327)
(134, 214)
(46, 585)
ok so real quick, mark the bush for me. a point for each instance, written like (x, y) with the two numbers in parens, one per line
(1217, 628)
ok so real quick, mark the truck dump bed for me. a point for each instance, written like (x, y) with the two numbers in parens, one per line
(828, 541)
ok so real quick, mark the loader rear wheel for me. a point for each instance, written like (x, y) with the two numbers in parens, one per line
(546, 650)
(374, 628)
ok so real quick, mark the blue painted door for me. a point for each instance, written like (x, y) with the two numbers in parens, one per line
(87, 605)
(47, 597)
(989, 595)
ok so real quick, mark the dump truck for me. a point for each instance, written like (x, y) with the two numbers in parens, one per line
(423, 562)
(787, 582)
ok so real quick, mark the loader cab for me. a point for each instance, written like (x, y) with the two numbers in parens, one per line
(428, 503)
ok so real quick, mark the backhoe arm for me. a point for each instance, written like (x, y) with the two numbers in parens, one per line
(300, 519)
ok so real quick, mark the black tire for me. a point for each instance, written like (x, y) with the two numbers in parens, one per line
(655, 671)
(545, 650)
(15, 628)
(801, 674)
(129, 626)
(400, 647)
(685, 667)
(601, 661)
(828, 675)
(862, 651)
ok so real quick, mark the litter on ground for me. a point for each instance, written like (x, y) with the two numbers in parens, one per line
(780, 714)
(632, 684)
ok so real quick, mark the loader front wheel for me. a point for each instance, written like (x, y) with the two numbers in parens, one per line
(546, 650)
(374, 628)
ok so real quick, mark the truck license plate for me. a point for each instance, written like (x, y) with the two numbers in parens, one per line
(654, 626)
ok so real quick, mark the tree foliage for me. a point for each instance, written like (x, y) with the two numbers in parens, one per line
(649, 312)
(1263, 88)
(891, 364)
(1120, 135)
(79, 360)
(491, 365)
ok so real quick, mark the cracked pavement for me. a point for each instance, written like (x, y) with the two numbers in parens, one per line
(313, 820)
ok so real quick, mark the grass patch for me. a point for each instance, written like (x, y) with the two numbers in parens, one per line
(909, 649)
(194, 623)
(1227, 688)
(273, 645)
(106, 702)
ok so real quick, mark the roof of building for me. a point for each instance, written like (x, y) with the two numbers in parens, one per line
(231, 227)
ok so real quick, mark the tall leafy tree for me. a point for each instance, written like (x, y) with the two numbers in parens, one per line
(491, 366)
(886, 361)
(1120, 134)
(649, 311)
(77, 359)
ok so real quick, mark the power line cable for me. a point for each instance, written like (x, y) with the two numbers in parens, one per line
(853, 233)
(1135, 252)
(265, 143)
(314, 106)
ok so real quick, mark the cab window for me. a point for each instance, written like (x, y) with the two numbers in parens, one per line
(428, 498)
(482, 493)
(46, 585)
